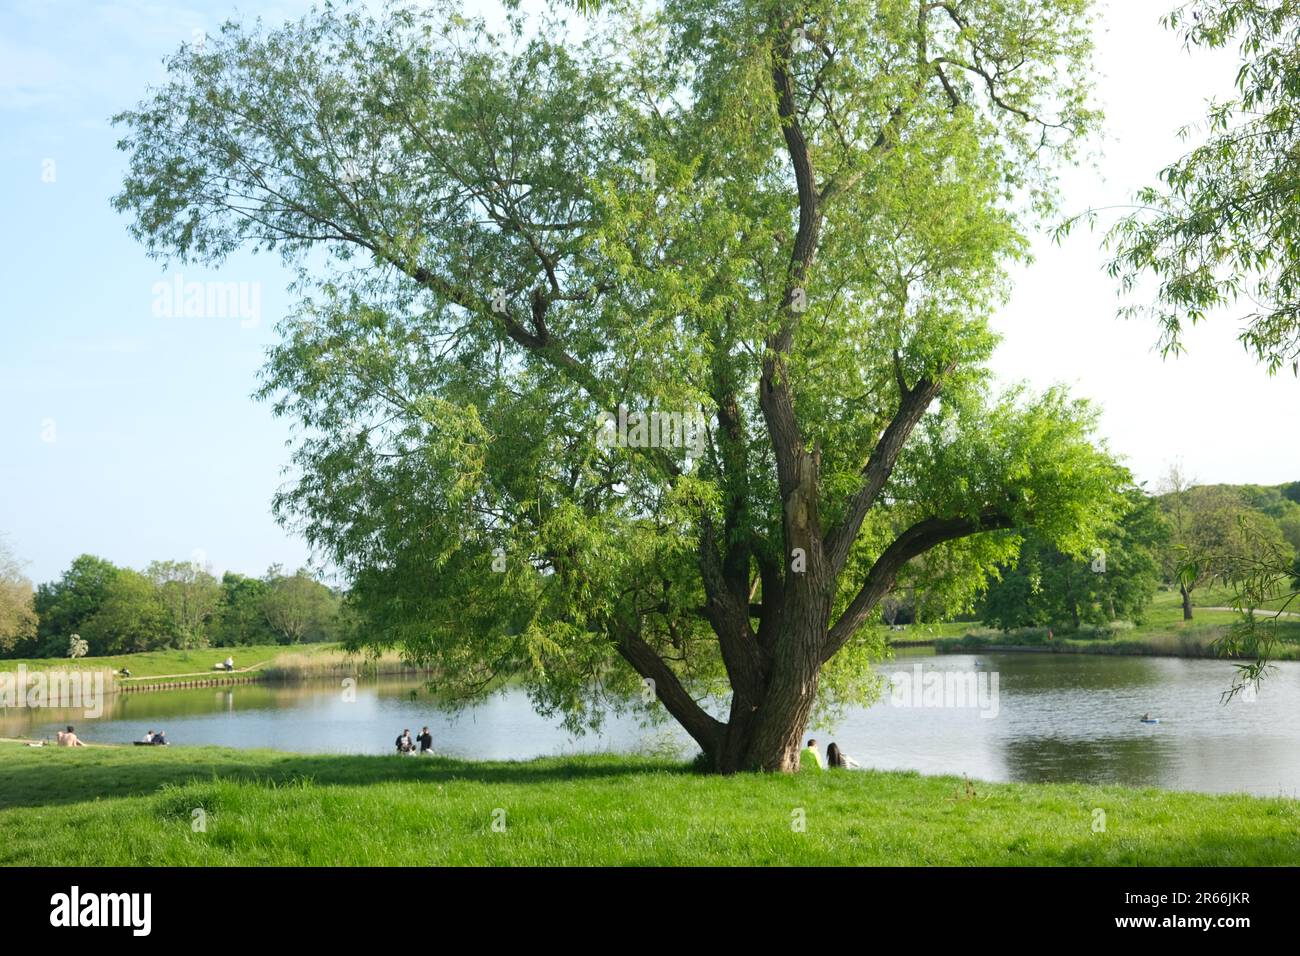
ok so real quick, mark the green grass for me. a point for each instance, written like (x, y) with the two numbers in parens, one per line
(271, 663)
(161, 663)
(1215, 596)
(1162, 632)
(913, 633)
(134, 806)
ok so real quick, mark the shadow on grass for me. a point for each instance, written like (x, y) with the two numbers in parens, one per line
(45, 777)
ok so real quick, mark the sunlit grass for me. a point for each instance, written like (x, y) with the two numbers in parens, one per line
(160, 663)
(1162, 631)
(135, 806)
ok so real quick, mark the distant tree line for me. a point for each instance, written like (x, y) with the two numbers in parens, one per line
(1115, 581)
(100, 609)
(1185, 537)
(1182, 538)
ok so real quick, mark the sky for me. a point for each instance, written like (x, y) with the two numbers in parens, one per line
(133, 435)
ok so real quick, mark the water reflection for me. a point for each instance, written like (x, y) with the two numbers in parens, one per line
(1059, 718)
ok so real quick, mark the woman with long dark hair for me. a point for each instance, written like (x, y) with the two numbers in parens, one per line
(838, 758)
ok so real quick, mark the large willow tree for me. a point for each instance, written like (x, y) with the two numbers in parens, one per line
(792, 219)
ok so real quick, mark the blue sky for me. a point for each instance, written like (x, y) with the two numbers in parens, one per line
(122, 433)
(133, 436)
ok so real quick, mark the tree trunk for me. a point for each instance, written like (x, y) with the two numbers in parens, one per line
(776, 742)
(768, 739)
(768, 735)
(1187, 603)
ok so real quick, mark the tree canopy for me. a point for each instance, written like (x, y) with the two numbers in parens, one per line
(1222, 228)
(172, 604)
(1115, 582)
(17, 609)
(784, 225)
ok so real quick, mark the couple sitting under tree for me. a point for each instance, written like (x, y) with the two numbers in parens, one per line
(835, 758)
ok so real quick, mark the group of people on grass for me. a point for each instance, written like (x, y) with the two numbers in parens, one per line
(812, 758)
(69, 738)
(407, 745)
(835, 758)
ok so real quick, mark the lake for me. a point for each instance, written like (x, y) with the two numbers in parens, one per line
(1058, 717)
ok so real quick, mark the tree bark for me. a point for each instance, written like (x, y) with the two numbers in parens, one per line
(1187, 603)
(767, 737)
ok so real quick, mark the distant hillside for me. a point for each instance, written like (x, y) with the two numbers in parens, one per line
(1279, 502)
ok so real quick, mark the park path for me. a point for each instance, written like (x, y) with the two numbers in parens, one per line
(1260, 611)
(208, 673)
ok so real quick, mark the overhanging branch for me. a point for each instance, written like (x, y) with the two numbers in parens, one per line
(915, 541)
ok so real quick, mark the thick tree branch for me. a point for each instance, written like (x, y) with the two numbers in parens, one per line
(912, 405)
(703, 728)
(796, 469)
(915, 541)
(728, 614)
(775, 396)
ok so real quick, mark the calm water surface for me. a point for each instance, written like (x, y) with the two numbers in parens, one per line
(1059, 718)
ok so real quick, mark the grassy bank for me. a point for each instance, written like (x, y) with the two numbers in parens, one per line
(273, 662)
(135, 806)
(169, 662)
(1162, 632)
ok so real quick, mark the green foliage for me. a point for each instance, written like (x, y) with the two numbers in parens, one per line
(65, 605)
(18, 621)
(298, 608)
(1223, 226)
(1113, 582)
(130, 617)
(190, 594)
(239, 618)
(1215, 535)
(1291, 492)
(1264, 572)
(173, 604)
(501, 236)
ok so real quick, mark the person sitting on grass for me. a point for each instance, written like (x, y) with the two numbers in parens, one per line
(148, 737)
(159, 739)
(811, 757)
(404, 743)
(425, 740)
(229, 665)
(835, 757)
(68, 738)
